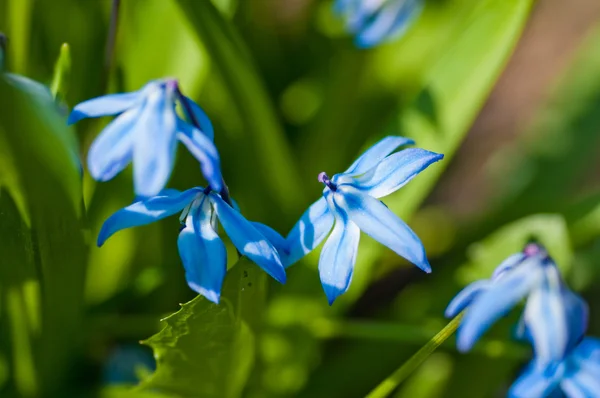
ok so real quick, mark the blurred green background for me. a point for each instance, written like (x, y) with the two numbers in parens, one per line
(508, 90)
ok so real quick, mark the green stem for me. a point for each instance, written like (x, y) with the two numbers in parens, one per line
(389, 385)
(2, 50)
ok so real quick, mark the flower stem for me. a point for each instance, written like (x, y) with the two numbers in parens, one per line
(389, 385)
(109, 54)
(3, 40)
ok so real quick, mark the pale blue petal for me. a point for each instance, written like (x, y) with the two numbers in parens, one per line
(588, 350)
(534, 382)
(107, 105)
(497, 301)
(202, 118)
(376, 154)
(508, 264)
(338, 255)
(309, 231)
(248, 240)
(581, 384)
(377, 221)
(389, 22)
(154, 142)
(577, 316)
(202, 252)
(275, 238)
(393, 172)
(112, 150)
(546, 318)
(146, 212)
(465, 297)
(204, 150)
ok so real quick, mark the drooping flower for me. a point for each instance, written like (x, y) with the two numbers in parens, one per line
(201, 249)
(146, 132)
(350, 204)
(376, 21)
(532, 275)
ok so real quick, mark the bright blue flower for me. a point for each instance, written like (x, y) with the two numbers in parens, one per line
(146, 132)
(350, 202)
(532, 275)
(202, 251)
(376, 21)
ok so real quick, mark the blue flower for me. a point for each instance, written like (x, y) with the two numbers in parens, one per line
(376, 21)
(146, 132)
(202, 251)
(532, 275)
(350, 204)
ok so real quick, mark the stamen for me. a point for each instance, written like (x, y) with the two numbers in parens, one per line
(324, 179)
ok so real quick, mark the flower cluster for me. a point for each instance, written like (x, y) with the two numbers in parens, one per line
(375, 21)
(148, 126)
(554, 322)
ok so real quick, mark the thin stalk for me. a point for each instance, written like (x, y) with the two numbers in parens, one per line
(109, 54)
(391, 383)
(3, 41)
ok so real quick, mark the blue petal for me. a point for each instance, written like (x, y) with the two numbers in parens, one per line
(202, 118)
(391, 21)
(497, 301)
(588, 350)
(581, 384)
(376, 154)
(203, 253)
(146, 212)
(508, 264)
(465, 297)
(275, 238)
(546, 318)
(204, 150)
(154, 142)
(393, 172)
(534, 382)
(377, 221)
(248, 240)
(339, 254)
(577, 316)
(107, 105)
(309, 231)
(112, 150)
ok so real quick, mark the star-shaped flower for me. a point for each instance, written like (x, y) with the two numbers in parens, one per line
(146, 132)
(376, 21)
(201, 249)
(350, 202)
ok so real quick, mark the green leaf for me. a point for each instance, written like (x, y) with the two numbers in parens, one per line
(263, 138)
(62, 73)
(40, 171)
(208, 349)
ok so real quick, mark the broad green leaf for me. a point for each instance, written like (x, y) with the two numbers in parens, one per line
(263, 142)
(208, 349)
(44, 175)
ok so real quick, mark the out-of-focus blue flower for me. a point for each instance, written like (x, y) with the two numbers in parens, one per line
(375, 21)
(125, 363)
(146, 132)
(202, 251)
(350, 204)
(532, 275)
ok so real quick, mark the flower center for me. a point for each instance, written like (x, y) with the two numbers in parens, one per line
(324, 178)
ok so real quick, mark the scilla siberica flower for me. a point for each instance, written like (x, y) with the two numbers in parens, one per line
(375, 21)
(202, 251)
(350, 204)
(146, 132)
(531, 274)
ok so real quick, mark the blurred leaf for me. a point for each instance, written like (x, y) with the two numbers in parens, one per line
(263, 142)
(210, 340)
(62, 73)
(126, 392)
(40, 169)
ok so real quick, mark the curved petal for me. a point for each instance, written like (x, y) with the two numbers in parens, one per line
(275, 238)
(202, 252)
(146, 212)
(376, 154)
(581, 384)
(202, 118)
(106, 105)
(497, 301)
(204, 150)
(508, 264)
(339, 254)
(546, 318)
(466, 296)
(587, 350)
(248, 240)
(393, 172)
(391, 21)
(154, 142)
(534, 382)
(377, 221)
(577, 317)
(309, 231)
(112, 150)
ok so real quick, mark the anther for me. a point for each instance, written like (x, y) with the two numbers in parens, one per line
(324, 179)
